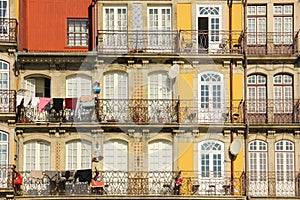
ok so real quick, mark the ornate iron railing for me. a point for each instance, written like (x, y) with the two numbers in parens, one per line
(283, 43)
(8, 30)
(7, 101)
(6, 176)
(197, 42)
(131, 41)
(273, 111)
(172, 111)
(133, 183)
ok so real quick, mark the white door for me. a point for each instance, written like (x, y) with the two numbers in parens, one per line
(258, 168)
(3, 160)
(160, 159)
(115, 166)
(210, 97)
(211, 167)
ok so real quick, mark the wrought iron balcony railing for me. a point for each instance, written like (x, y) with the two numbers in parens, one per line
(262, 184)
(273, 111)
(130, 41)
(197, 42)
(171, 111)
(283, 43)
(8, 30)
(7, 101)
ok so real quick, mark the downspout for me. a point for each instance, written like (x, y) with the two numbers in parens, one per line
(246, 183)
(95, 25)
(229, 3)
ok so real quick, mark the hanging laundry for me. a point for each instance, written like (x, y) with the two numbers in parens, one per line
(70, 103)
(58, 104)
(43, 103)
(35, 101)
(27, 101)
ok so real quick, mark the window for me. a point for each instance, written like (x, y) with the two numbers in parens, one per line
(257, 93)
(78, 32)
(78, 86)
(115, 24)
(79, 155)
(256, 24)
(284, 162)
(160, 94)
(210, 96)
(3, 159)
(115, 155)
(4, 17)
(283, 24)
(283, 93)
(159, 25)
(258, 167)
(160, 156)
(116, 85)
(37, 155)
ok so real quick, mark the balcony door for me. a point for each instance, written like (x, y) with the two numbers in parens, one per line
(115, 105)
(258, 168)
(210, 97)
(211, 167)
(4, 18)
(160, 95)
(209, 25)
(160, 159)
(285, 168)
(159, 26)
(3, 159)
(115, 28)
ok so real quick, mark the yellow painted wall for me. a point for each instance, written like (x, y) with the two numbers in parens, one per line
(185, 86)
(237, 16)
(184, 17)
(185, 157)
(237, 86)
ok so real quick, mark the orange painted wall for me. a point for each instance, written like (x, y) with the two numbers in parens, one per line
(43, 24)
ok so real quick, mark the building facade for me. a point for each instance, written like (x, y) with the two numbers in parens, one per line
(142, 90)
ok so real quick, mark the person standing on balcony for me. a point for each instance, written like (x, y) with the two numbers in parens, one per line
(17, 181)
(178, 183)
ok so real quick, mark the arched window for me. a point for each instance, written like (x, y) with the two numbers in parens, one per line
(210, 96)
(37, 155)
(211, 158)
(78, 155)
(258, 167)
(283, 93)
(3, 148)
(160, 155)
(115, 155)
(285, 167)
(78, 86)
(257, 93)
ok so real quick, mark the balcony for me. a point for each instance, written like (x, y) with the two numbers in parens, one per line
(8, 30)
(186, 42)
(167, 111)
(169, 42)
(272, 43)
(7, 102)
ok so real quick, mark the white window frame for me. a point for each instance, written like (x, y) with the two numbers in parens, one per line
(283, 24)
(256, 24)
(78, 155)
(37, 155)
(115, 25)
(3, 159)
(77, 86)
(285, 168)
(283, 93)
(257, 93)
(160, 27)
(116, 156)
(4, 15)
(258, 168)
(210, 107)
(78, 32)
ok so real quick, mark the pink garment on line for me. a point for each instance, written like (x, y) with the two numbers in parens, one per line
(43, 103)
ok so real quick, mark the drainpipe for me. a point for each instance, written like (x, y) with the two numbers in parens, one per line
(95, 24)
(229, 4)
(246, 183)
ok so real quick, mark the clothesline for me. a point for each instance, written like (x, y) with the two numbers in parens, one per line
(57, 103)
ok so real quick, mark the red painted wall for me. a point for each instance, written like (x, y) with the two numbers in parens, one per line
(43, 24)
